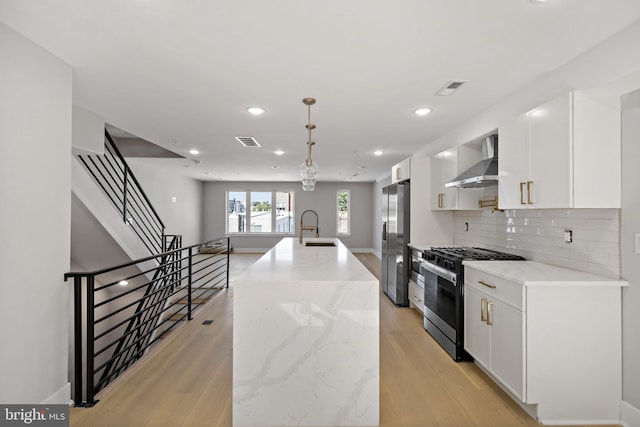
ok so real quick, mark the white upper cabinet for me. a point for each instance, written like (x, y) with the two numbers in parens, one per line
(401, 171)
(444, 167)
(564, 154)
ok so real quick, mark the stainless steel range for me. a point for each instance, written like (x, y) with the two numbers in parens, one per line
(444, 293)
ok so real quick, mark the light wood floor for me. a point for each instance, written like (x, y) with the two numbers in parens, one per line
(187, 382)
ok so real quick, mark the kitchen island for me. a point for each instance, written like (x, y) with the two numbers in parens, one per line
(306, 339)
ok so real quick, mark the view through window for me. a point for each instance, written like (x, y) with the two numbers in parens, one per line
(343, 213)
(261, 217)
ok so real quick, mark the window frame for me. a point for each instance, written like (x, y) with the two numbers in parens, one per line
(274, 211)
(348, 232)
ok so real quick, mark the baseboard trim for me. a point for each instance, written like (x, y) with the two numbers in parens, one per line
(629, 415)
(60, 397)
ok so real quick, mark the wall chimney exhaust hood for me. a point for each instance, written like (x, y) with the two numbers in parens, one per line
(485, 172)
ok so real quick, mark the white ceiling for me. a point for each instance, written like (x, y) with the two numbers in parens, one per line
(180, 73)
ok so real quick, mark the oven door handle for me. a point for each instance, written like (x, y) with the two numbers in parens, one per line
(439, 271)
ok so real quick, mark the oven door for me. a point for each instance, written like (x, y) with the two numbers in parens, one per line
(441, 298)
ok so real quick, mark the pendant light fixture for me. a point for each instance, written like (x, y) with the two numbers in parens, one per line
(309, 168)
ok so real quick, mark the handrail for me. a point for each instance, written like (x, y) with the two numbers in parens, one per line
(121, 157)
(112, 329)
(137, 261)
(112, 174)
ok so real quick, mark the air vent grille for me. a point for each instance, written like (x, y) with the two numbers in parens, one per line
(451, 87)
(248, 141)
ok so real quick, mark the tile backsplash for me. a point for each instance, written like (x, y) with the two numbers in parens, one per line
(538, 235)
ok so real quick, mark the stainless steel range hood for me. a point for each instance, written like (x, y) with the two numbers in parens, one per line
(483, 173)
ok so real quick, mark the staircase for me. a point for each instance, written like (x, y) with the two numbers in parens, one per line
(120, 312)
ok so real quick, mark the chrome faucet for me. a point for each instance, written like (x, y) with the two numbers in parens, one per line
(308, 227)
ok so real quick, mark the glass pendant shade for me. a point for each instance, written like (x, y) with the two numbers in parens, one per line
(309, 169)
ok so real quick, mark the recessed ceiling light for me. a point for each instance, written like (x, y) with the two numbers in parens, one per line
(422, 111)
(354, 174)
(362, 167)
(275, 167)
(256, 111)
(123, 283)
(278, 152)
(194, 151)
(378, 153)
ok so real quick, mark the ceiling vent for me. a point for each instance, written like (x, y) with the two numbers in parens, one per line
(248, 141)
(451, 87)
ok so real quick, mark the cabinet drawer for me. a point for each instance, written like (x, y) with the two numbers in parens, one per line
(416, 296)
(508, 292)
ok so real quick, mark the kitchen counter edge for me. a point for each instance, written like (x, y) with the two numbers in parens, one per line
(533, 273)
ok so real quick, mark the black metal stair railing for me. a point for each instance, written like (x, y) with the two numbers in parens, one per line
(112, 173)
(121, 311)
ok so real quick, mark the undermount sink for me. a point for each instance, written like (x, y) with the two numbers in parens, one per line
(319, 243)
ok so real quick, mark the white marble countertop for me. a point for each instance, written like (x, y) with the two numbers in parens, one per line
(306, 331)
(291, 261)
(532, 273)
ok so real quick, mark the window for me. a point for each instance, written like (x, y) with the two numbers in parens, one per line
(342, 218)
(261, 217)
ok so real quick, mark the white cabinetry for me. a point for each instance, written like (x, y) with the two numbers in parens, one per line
(564, 154)
(416, 296)
(444, 167)
(401, 171)
(549, 336)
(493, 329)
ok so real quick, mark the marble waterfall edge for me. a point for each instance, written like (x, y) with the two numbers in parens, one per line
(306, 351)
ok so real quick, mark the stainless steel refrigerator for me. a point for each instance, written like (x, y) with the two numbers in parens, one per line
(396, 258)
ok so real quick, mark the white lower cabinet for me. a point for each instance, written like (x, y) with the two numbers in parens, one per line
(493, 331)
(551, 337)
(416, 296)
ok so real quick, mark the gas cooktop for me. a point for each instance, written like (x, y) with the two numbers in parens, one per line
(478, 254)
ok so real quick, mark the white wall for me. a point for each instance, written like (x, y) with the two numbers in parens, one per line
(630, 224)
(35, 184)
(87, 132)
(185, 215)
(322, 200)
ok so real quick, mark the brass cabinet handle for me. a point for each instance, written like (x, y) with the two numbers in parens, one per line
(529, 184)
(483, 304)
(489, 321)
(522, 193)
(441, 200)
(488, 285)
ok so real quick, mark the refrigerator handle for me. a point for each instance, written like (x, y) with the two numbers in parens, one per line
(384, 230)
